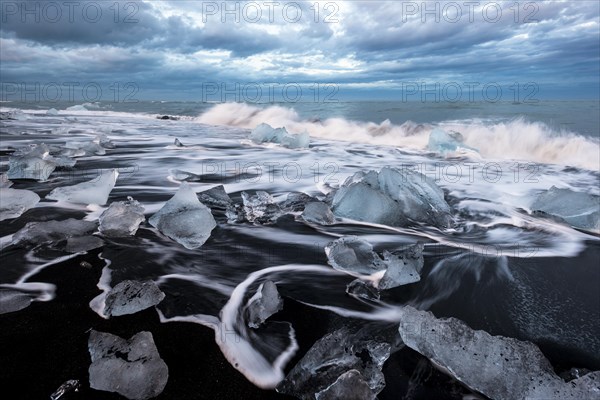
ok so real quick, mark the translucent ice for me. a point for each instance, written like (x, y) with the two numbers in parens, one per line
(403, 267)
(133, 368)
(33, 162)
(184, 219)
(13, 300)
(353, 255)
(497, 366)
(265, 302)
(83, 243)
(296, 201)
(52, 111)
(318, 212)
(350, 385)
(215, 197)
(14, 202)
(95, 191)
(337, 353)
(264, 133)
(129, 297)
(52, 231)
(122, 218)
(580, 210)
(392, 197)
(89, 148)
(444, 142)
(185, 176)
(260, 208)
(69, 386)
(4, 181)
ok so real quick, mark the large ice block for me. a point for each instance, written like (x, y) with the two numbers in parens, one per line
(14, 202)
(581, 210)
(264, 133)
(95, 191)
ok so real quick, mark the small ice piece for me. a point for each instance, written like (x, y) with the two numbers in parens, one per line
(580, 210)
(77, 107)
(52, 231)
(69, 386)
(83, 243)
(403, 267)
(264, 133)
(14, 202)
(215, 197)
(260, 208)
(341, 351)
(129, 297)
(122, 218)
(392, 197)
(90, 148)
(235, 214)
(353, 255)
(350, 385)
(178, 143)
(296, 201)
(4, 181)
(33, 162)
(185, 176)
(104, 141)
(444, 142)
(265, 302)
(184, 219)
(496, 366)
(319, 213)
(362, 289)
(13, 300)
(95, 191)
(52, 111)
(133, 368)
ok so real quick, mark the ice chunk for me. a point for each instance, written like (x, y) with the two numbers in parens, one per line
(296, 201)
(52, 111)
(265, 302)
(14, 202)
(353, 255)
(83, 243)
(69, 386)
(122, 218)
(264, 133)
(13, 114)
(362, 289)
(185, 176)
(497, 366)
(392, 197)
(319, 213)
(89, 148)
(77, 107)
(578, 209)
(52, 231)
(184, 219)
(104, 141)
(403, 267)
(444, 142)
(350, 385)
(95, 191)
(129, 297)
(260, 208)
(13, 300)
(178, 143)
(215, 197)
(33, 162)
(4, 181)
(341, 351)
(133, 368)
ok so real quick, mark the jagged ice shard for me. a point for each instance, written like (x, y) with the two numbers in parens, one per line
(184, 219)
(392, 197)
(264, 133)
(34, 233)
(33, 162)
(14, 202)
(499, 367)
(95, 191)
(444, 142)
(265, 302)
(580, 210)
(133, 368)
(129, 297)
(122, 218)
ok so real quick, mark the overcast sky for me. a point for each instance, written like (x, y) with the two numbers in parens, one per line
(174, 49)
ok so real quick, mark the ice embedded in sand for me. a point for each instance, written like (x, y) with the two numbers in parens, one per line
(319, 213)
(95, 191)
(444, 142)
(184, 219)
(392, 197)
(34, 233)
(133, 368)
(578, 209)
(265, 302)
(264, 133)
(13, 300)
(337, 353)
(499, 367)
(14, 202)
(260, 208)
(122, 218)
(33, 162)
(129, 297)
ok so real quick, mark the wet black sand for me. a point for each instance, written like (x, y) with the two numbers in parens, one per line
(45, 345)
